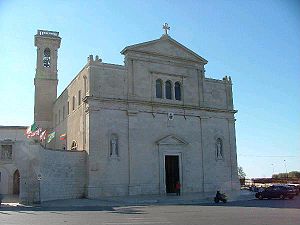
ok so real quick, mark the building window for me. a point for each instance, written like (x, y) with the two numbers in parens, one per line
(73, 103)
(219, 149)
(79, 97)
(46, 58)
(158, 88)
(64, 112)
(177, 91)
(74, 145)
(68, 108)
(168, 90)
(55, 118)
(59, 116)
(6, 152)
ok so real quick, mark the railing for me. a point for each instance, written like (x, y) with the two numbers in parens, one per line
(47, 33)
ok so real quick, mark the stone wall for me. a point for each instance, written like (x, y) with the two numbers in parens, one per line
(63, 173)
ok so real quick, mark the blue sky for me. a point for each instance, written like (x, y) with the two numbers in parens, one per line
(257, 43)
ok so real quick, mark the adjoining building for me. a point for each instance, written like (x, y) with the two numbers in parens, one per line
(139, 127)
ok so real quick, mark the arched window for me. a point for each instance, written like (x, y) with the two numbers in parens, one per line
(168, 90)
(16, 182)
(73, 103)
(46, 58)
(158, 88)
(74, 145)
(177, 91)
(219, 149)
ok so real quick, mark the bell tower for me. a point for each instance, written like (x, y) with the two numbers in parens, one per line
(45, 81)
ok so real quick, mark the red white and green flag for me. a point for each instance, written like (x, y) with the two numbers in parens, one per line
(32, 131)
(63, 137)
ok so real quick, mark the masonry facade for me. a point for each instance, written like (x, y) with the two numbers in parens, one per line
(156, 111)
(145, 125)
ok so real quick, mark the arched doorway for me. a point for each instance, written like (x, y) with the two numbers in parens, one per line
(16, 183)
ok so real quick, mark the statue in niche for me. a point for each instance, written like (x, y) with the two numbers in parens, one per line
(114, 146)
(219, 149)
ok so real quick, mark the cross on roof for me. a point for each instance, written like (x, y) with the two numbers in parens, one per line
(166, 28)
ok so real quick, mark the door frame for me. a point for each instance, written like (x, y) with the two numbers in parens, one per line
(163, 154)
(16, 185)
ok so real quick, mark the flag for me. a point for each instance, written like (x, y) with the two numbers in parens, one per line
(33, 127)
(63, 137)
(32, 131)
(50, 137)
(43, 135)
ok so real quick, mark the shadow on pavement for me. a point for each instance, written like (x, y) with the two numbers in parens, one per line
(138, 208)
(267, 203)
(59, 210)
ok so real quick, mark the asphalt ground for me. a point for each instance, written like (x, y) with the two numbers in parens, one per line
(248, 212)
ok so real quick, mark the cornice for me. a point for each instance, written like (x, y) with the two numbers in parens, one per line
(158, 104)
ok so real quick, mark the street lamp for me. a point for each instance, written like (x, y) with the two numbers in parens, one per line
(286, 174)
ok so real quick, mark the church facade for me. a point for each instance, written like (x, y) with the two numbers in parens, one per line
(145, 125)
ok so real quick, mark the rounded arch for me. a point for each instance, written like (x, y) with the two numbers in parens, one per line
(158, 88)
(74, 145)
(178, 91)
(46, 57)
(168, 89)
(16, 182)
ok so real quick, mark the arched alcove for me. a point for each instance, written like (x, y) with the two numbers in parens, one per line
(16, 183)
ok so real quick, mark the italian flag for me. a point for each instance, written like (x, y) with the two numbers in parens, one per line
(63, 137)
(32, 131)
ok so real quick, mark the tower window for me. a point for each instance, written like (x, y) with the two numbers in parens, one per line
(158, 88)
(168, 90)
(46, 58)
(68, 108)
(177, 91)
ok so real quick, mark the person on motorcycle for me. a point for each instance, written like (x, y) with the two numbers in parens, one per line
(218, 195)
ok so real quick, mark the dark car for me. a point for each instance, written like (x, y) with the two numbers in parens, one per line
(295, 187)
(276, 191)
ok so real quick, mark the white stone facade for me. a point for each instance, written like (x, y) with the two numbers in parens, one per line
(144, 125)
(120, 102)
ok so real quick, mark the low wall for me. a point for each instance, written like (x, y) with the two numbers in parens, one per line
(63, 174)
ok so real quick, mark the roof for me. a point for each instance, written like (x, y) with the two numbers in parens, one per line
(146, 47)
(12, 127)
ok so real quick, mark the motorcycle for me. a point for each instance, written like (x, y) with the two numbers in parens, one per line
(220, 197)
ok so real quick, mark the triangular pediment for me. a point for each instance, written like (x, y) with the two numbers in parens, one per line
(171, 140)
(165, 46)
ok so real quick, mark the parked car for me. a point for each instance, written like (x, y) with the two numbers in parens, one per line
(276, 191)
(296, 188)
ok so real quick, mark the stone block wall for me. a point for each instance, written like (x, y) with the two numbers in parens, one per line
(63, 174)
